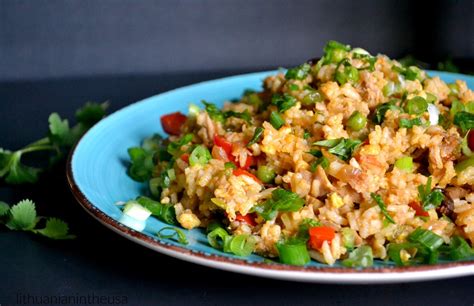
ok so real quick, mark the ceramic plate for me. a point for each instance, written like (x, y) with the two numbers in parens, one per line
(97, 176)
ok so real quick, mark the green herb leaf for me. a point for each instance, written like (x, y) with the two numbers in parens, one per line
(409, 123)
(282, 200)
(55, 229)
(378, 199)
(283, 102)
(213, 111)
(341, 147)
(59, 131)
(380, 111)
(4, 209)
(91, 113)
(174, 147)
(256, 136)
(464, 120)
(23, 216)
(429, 198)
(245, 115)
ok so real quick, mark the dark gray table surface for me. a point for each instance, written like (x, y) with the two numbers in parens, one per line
(99, 263)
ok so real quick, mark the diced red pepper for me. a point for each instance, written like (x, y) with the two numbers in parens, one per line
(319, 234)
(248, 162)
(240, 171)
(419, 211)
(224, 144)
(470, 140)
(248, 218)
(185, 157)
(172, 123)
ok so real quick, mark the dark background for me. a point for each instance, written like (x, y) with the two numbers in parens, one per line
(55, 55)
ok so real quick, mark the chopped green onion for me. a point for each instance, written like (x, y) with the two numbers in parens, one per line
(164, 212)
(294, 87)
(360, 257)
(431, 98)
(298, 73)
(266, 174)
(378, 199)
(465, 145)
(356, 121)
(416, 106)
(459, 248)
(464, 120)
(276, 120)
(245, 115)
(334, 52)
(193, 110)
(240, 245)
(348, 73)
(306, 135)
(405, 163)
(348, 237)
(199, 156)
(176, 234)
(136, 211)
(394, 252)
(426, 238)
(409, 123)
(467, 163)
(256, 136)
(293, 252)
(216, 237)
(154, 184)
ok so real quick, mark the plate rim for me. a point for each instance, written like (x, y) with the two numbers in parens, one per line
(371, 275)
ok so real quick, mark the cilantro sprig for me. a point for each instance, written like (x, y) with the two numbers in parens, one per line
(60, 138)
(23, 217)
(429, 198)
(341, 147)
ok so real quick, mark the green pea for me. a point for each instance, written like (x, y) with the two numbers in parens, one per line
(416, 106)
(266, 174)
(312, 97)
(356, 121)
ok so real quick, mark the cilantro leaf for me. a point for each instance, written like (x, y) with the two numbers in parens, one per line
(409, 123)
(245, 115)
(256, 136)
(19, 173)
(341, 147)
(429, 198)
(464, 120)
(4, 209)
(283, 102)
(378, 199)
(5, 162)
(23, 216)
(175, 146)
(55, 229)
(59, 131)
(380, 111)
(282, 200)
(213, 111)
(91, 113)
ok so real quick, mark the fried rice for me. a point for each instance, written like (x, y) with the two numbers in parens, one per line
(349, 151)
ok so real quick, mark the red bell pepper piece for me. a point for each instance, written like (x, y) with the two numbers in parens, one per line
(319, 234)
(172, 123)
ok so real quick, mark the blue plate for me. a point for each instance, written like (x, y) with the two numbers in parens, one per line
(97, 174)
